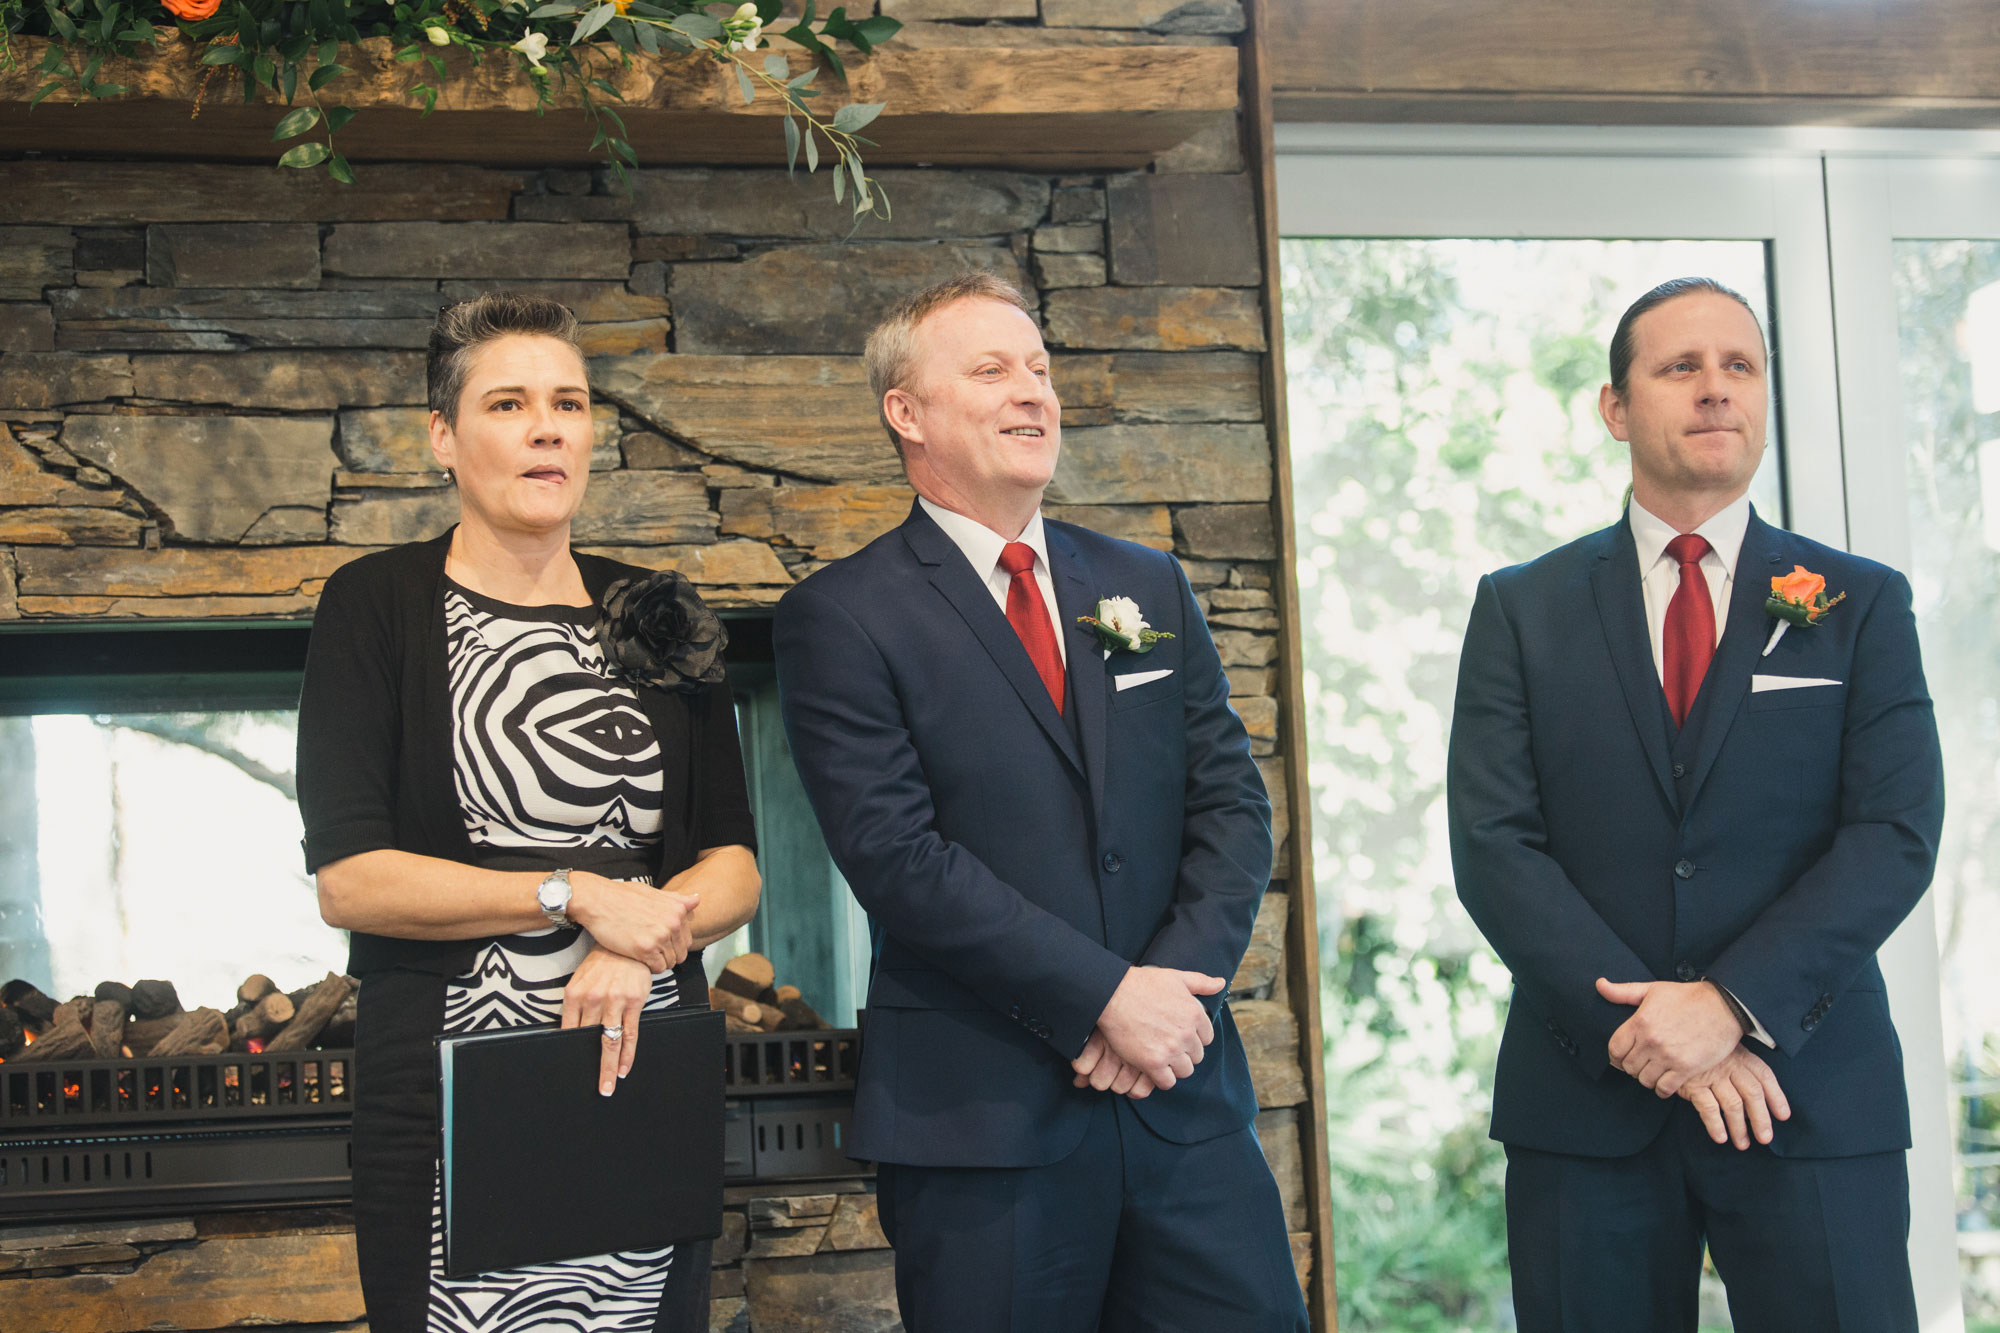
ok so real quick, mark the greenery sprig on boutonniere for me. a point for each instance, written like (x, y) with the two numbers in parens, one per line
(1798, 598)
(1120, 628)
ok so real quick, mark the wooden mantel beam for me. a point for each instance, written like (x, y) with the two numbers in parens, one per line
(1864, 62)
(1052, 107)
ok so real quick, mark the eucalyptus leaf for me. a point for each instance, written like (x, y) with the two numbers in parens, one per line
(553, 9)
(812, 152)
(592, 21)
(743, 82)
(856, 116)
(777, 66)
(295, 123)
(839, 179)
(699, 26)
(802, 80)
(648, 37)
(305, 155)
(791, 145)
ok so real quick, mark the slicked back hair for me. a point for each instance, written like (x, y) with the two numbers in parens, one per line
(1622, 341)
(892, 348)
(464, 328)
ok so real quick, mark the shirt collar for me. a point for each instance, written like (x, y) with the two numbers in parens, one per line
(1724, 531)
(982, 545)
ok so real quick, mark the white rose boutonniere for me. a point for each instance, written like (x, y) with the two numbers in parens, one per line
(1120, 627)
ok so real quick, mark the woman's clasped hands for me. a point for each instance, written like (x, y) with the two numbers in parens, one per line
(639, 931)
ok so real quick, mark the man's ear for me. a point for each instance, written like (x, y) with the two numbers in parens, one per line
(444, 447)
(899, 409)
(1611, 406)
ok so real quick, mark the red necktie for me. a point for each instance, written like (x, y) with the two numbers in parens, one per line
(1029, 615)
(1689, 641)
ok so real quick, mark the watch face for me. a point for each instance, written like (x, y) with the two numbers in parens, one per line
(553, 894)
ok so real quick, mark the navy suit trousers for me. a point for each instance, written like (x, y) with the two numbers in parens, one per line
(1614, 1244)
(1130, 1233)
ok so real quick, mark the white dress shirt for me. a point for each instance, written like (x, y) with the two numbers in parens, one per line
(1660, 573)
(1660, 579)
(982, 547)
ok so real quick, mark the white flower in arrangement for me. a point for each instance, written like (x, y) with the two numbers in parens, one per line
(1120, 627)
(438, 36)
(534, 46)
(1121, 616)
(743, 27)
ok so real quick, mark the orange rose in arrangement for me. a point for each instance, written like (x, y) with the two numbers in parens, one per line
(192, 11)
(1801, 585)
(1798, 598)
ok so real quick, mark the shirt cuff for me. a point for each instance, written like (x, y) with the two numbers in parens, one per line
(1754, 1030)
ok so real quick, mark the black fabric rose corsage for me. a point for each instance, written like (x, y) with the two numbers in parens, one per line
(657, 631)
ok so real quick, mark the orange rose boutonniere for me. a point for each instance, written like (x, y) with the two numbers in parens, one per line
(1798, 598)
(192, 11)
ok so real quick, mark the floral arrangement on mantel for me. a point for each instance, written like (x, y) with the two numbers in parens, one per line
(292, 50)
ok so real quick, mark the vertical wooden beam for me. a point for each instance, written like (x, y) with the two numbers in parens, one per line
(1260, 154)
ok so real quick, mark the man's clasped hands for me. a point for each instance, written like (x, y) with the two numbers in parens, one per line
(1684, 1039)
(1151, 1034)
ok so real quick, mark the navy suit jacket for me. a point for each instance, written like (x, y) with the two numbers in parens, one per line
(1012, 867)
(1772, 844)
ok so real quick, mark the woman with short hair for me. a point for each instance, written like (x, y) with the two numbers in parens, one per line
(522, 792)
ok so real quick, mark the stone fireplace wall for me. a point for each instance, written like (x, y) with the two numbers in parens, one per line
(211, 389)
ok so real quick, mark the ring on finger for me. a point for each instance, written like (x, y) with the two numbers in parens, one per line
(614, 1032)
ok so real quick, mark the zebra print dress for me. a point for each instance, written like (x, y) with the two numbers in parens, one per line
(555, 764)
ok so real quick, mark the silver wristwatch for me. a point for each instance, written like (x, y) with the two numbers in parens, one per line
(552, 896)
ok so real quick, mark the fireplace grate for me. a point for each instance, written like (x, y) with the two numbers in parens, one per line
(66, 1093)
(777, 1063)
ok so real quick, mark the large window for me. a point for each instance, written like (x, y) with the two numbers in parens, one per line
(1448, 296)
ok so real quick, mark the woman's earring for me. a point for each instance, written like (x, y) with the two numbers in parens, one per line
(449, 480)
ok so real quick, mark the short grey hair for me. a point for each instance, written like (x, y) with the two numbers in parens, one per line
(464, 328)
(891, 355)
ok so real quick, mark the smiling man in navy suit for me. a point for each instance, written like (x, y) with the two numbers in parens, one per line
(1061, 844)
(1687, 832)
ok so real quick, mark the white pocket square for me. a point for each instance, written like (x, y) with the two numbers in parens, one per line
(1759, 684)
(1141, 677)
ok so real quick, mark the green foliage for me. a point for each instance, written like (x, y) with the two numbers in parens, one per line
(286, 49)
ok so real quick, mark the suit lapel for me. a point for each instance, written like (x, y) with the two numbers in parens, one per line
(1728, 681)
(1621, 606)
(1088, 680)
(952, 576)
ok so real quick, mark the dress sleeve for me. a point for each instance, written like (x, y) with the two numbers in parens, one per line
(722, 801)
(349, 725)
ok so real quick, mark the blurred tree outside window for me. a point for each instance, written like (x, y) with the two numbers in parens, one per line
(1948, 318)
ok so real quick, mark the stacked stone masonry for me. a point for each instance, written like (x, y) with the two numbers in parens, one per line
(212, 396)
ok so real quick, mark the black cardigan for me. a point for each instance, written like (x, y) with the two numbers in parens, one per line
(374, 762)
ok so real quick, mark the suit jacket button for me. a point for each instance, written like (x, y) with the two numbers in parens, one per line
(1040, 1029)
(1810, 1021)
(1685, 971)
(1113, 862)
(1015, 1013)
(1684, 869)
(1680, 770)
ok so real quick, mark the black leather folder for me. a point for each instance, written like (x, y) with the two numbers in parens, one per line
(538, 1167)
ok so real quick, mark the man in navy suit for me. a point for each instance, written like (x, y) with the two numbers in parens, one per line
(1061, 846)
(1687, 832)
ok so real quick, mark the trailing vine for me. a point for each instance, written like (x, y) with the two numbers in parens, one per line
(567, 49)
